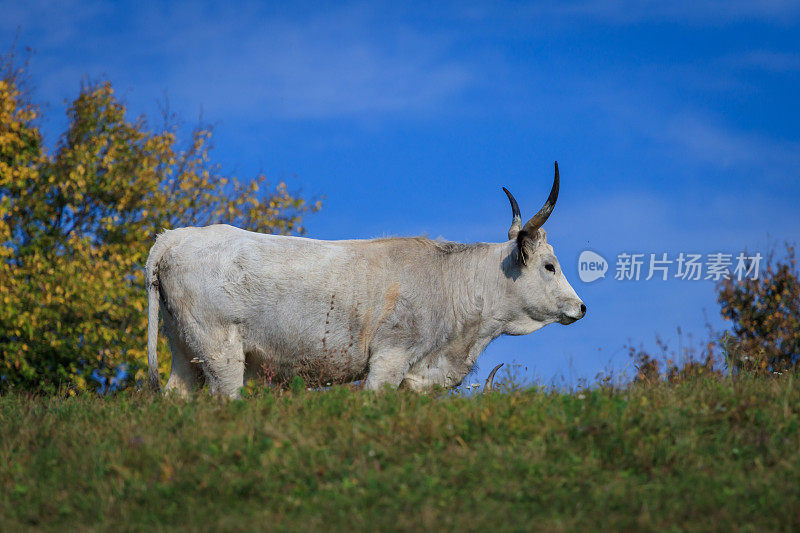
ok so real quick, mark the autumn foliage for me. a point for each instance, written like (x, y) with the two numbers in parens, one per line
(76, 225)
(765, 317)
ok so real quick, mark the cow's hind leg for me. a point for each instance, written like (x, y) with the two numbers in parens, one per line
(185, 377)
(225, 372)
(223, 365)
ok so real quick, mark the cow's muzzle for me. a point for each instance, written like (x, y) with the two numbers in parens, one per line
(573, 315)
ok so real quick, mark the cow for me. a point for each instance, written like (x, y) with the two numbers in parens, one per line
(405, 312)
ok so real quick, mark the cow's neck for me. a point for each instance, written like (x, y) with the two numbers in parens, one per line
(477, 298)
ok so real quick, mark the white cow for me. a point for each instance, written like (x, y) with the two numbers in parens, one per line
(400, 311)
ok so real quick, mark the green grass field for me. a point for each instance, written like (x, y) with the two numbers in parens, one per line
(699, 455)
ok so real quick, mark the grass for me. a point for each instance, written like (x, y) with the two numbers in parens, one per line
(700, 455)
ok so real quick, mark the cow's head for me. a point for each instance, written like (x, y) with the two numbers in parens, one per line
(540, 294)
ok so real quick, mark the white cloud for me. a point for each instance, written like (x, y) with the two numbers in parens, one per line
(44, 24)
(691, 135)
(309, 73)
(247, 62)
(707, 11)
(767, 60)
(701, 139)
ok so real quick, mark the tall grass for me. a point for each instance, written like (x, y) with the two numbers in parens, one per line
(701, 454)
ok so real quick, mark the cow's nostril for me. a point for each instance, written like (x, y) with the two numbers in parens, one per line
(583, 308)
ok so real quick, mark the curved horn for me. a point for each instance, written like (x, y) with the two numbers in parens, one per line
(516, 222)
(539, 218)
(489, 385)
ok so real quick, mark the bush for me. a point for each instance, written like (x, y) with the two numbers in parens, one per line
(765, 313)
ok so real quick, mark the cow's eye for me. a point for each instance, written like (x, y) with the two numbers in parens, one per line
(550, 267)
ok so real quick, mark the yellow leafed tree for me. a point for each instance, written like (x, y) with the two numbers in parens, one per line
(76, 226)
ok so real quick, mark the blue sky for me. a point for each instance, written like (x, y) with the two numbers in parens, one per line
(675, 125)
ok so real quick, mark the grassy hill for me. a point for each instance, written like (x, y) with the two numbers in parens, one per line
(705, 454)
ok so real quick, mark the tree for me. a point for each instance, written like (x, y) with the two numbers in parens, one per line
(765, 315)
(76, 227)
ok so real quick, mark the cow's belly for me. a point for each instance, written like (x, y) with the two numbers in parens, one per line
(281, 358)
(300, 333)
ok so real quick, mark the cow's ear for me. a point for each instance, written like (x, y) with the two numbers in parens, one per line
(524, 245)
(527, 243)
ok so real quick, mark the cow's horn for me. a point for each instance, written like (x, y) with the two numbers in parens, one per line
(516, 222)
(539, 218)
(489, 386)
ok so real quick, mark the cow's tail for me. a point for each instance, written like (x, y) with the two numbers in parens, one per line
(153, 304)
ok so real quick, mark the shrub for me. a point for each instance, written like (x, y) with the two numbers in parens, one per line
(765, 316)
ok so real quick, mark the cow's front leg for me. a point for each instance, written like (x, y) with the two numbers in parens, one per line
(388, 366)
(417, 382)
(423, 379)
(436, 371)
